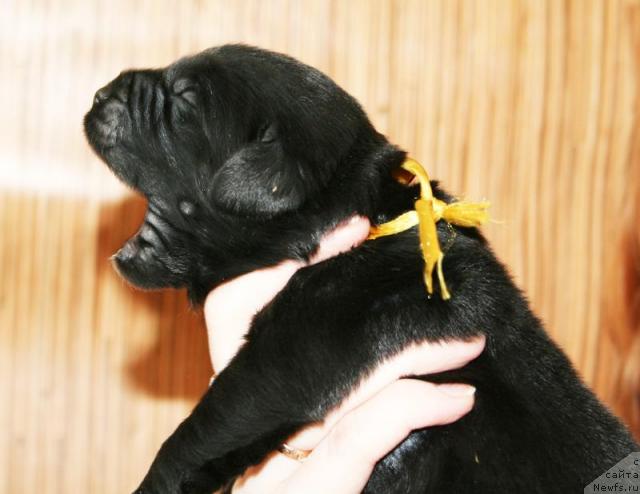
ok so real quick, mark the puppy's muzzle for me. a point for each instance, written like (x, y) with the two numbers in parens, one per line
(144, 260)
(104, 122)
(129, 261)
(139, 264)
(117, 90)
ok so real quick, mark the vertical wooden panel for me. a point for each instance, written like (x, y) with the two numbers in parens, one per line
(532, 104)
(617, 375)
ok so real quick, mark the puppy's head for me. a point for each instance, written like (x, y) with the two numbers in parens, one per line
(241, 155)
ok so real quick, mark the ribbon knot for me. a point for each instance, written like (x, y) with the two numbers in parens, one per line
(428, 211)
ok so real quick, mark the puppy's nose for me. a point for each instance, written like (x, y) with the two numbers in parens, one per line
(101, 95)
(105, 93)
(118, 89)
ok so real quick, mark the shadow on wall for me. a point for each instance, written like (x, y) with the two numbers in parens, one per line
(176, 364)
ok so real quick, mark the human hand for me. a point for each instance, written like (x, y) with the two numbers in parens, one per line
(368, 424)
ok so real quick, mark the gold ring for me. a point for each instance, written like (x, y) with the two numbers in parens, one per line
(294, 453)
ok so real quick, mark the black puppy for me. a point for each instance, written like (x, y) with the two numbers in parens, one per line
(246, 157)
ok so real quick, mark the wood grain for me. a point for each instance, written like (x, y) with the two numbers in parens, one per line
(531, 104)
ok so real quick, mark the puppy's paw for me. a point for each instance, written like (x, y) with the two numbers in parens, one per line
(198, 482)
(201, 481)
(155, 483)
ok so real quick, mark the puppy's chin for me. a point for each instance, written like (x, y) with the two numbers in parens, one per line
(140, 269)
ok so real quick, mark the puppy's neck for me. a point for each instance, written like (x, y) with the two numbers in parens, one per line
(386, 196)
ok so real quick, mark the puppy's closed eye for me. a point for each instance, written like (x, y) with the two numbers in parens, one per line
(186, 89)
(267, 133)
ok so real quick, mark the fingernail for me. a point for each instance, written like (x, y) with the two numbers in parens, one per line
(457, 390)
(354, 219)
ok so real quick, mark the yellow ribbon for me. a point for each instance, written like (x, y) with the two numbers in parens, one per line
(428, 211)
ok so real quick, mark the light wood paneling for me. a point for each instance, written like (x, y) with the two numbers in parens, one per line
(531, 104)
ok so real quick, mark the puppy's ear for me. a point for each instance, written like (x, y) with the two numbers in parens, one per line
(262, 179)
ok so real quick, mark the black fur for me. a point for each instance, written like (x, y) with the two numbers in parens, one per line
(246, 158)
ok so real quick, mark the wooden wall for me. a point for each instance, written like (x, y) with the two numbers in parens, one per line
(531, 104)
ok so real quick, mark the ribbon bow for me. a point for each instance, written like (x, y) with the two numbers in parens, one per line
(428, 211)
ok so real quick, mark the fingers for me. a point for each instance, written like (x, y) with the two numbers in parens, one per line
(342, 238)
(344, 460)
(267, 476)
(419, 359)
(432, 357)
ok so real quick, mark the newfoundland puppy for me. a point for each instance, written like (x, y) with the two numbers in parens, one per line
(246, 157)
